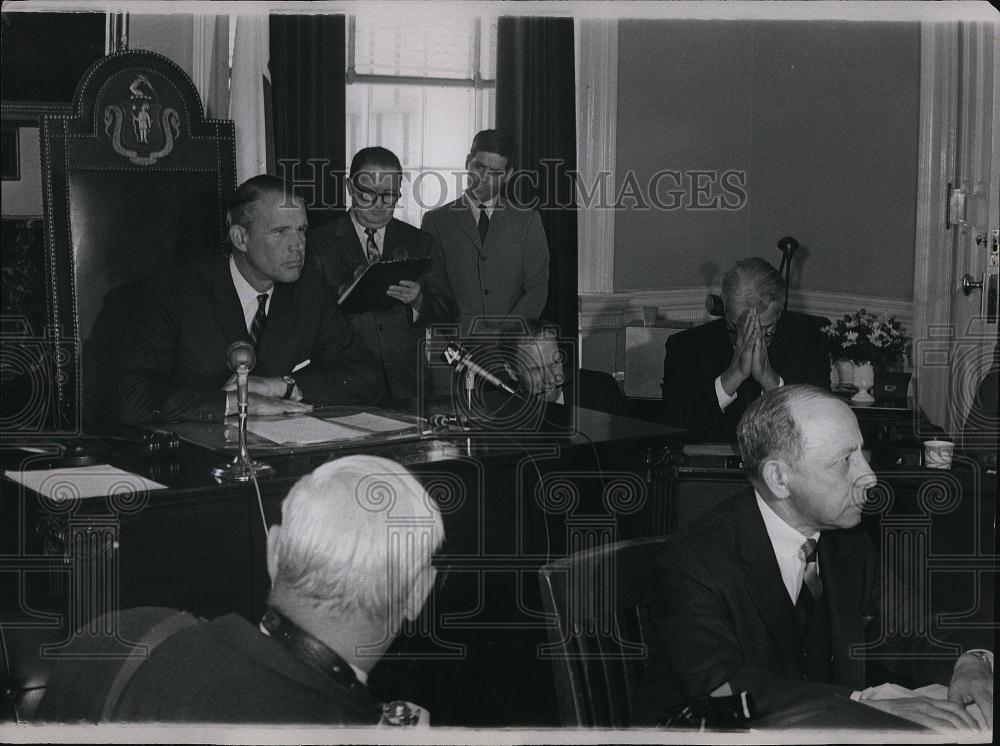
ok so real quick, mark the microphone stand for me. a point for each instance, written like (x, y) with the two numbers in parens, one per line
(242, 468)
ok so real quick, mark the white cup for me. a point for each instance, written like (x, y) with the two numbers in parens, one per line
(938, 454)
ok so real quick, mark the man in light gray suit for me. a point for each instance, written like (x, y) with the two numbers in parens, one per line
(495, 254)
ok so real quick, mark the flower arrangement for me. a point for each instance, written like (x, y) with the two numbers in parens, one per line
(864, 337)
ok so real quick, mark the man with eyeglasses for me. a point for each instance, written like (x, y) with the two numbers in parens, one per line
(367, 234)
(712, 373)
(495, 253)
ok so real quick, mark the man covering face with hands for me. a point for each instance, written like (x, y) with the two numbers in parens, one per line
(712, 373)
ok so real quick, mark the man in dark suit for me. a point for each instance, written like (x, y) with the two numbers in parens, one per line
(712, 373)
(332, 613)
(173, 366)
(368, 234)
(769, 592)
(495, 253)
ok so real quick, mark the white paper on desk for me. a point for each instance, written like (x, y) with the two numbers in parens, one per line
(302, 430)
(931, 691)
(373, 423)
(65, 483)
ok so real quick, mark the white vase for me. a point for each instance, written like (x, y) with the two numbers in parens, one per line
(864, 379)
(844, 371)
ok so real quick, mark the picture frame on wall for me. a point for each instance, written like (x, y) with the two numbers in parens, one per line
(44, 55)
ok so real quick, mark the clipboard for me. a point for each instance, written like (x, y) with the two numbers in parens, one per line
(367, 292)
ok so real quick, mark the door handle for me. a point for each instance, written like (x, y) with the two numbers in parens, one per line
(969, 284)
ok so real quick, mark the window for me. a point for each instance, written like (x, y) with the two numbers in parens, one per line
(421, 89)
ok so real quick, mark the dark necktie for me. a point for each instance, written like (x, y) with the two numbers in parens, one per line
(371, 248)
(484, 224)
(812, 586)
(259, 319)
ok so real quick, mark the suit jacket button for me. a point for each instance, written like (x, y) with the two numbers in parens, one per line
(482, 258)
(486, 292)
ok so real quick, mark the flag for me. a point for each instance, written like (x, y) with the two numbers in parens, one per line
(250, 97)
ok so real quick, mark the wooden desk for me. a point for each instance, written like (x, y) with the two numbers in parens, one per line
(509, 505)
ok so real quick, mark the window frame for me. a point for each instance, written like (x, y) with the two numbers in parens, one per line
(477, 82)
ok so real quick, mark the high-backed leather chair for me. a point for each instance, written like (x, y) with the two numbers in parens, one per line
(136, 181)
(600, 636)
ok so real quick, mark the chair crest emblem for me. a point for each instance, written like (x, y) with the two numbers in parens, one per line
(140, 127)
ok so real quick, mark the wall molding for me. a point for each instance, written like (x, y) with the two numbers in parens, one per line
(602, 311)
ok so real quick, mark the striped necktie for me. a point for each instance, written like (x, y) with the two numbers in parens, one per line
(812, 587)
(371, 247)
(259, 319)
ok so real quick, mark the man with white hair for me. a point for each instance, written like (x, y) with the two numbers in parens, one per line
(778, 592)
(713, 372)
(349, 563)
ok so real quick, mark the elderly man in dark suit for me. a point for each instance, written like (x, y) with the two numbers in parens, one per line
(495, 253)
(369, 233)
(712, 373)
(174, 366)
(345, 574)
(776, 591)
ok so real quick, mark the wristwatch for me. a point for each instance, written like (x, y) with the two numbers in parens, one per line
(289, 386)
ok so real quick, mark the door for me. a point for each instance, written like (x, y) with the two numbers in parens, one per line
(957, 216)
(975, 224)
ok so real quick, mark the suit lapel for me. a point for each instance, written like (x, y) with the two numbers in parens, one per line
(228, 311)
(841, 583)
(467, 223)
(393, 247)
(347, 237)
(763, 579)
(499, 224)
(281, 325)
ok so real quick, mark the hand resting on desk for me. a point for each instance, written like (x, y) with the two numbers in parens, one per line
(969, 702)
(940, 715)
(265, 397)
(273, 387)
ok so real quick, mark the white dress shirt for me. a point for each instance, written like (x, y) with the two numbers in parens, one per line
(489, 206)
(787, 544)
(363, 237)
(247, 293)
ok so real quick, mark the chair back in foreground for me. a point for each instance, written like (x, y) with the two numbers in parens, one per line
(599, 632)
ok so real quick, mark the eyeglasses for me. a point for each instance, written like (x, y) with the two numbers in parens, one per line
(369, 198)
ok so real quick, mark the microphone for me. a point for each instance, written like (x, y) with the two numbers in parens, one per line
(458, 358)
(241, 358)
(788, 246)
(241, 353)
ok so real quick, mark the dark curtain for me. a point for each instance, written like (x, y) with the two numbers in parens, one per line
(308, 98)
(536, 104)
